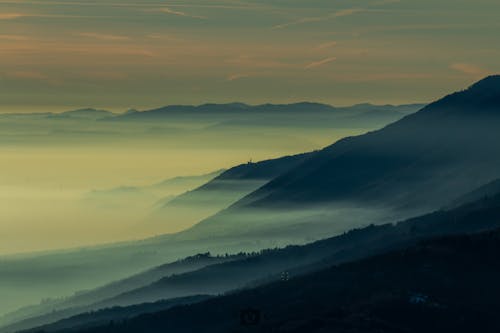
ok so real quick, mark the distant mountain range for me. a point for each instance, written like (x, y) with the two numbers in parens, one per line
(235, 108)
(234, 112)
(276, 115)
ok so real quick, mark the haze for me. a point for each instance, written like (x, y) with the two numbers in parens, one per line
(65, 182)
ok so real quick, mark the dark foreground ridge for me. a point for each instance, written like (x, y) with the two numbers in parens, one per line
(447, 284)
(310, 264)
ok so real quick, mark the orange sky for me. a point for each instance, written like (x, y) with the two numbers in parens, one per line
(57, 55)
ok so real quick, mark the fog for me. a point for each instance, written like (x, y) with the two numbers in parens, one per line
(66, 184)
(52, 169)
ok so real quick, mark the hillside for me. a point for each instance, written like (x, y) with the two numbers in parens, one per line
(448, 284)
(269, 265)
(224, 190)
(437, 148)
(416, 164)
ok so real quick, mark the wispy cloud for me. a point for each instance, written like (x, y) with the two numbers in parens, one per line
(105, 75)
(326, 45)
(31, 75)
(163, 36)
(385, 2)
(304, 20)
(319, 63)
(179, 13)
(469, 69)
(13, 37)
(239, 5)
(234, 77)
(347, 12)
(11, 16)
(14, 16)
(106, 37)
(257, 62)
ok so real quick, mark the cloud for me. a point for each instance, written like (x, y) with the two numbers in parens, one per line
(298, 22)
(339, 13)
(370, 77)
(13, 37)
(469, 69)
(103, 36)
(239, 5)
(234, 77)
(347, 12)
(163, 36)
(320, 62)
(385, 2)
(327, 45)
(257, 62)
(11, 16)
(105, 75)
(31, 75)
(179, 13)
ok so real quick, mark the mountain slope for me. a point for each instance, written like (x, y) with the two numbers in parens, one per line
(447, 284)
(104, 316)
(416, 164)
(225, 189)
(69, 305)
(447, 148)
(298, 260)
(483, 192)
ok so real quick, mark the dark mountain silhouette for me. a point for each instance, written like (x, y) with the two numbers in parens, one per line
(241, 179)
(417, 164)
(447, 284)
(269, 265)
(230, 109)
(312, 114)
(446, 149)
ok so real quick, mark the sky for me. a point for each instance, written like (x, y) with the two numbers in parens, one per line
(120, 54)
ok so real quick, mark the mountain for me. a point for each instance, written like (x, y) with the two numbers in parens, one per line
(117, 313)
(483, 192)
(223, 190)
(93, 266)
(77, 303)
(416, 164)
(447, 284)
(184, 182)
(88, 113)
(146, 196)
(447, 148)
(276, 115)
(269, 265)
